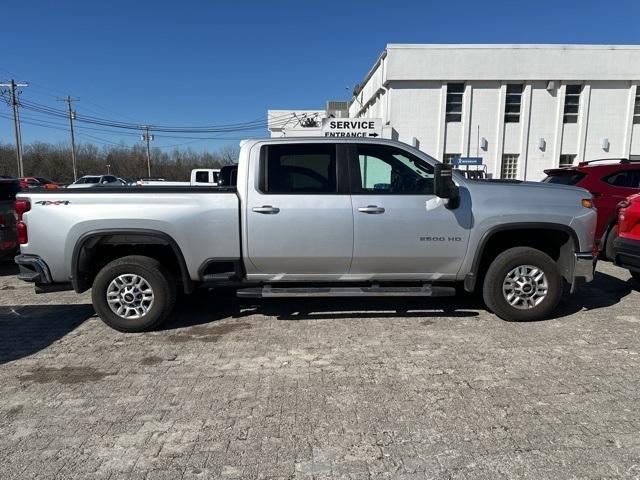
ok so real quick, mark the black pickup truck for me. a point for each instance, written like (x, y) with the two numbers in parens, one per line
(8, 189)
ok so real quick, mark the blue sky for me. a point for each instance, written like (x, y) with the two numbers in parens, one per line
(203, 62)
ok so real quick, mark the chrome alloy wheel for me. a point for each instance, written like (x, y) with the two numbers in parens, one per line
(525, 287)
(130, 296)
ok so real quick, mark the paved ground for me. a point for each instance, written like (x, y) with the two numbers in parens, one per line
(323, 389)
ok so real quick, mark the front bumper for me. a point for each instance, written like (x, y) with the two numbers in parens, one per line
(627, 253)
(584, 268)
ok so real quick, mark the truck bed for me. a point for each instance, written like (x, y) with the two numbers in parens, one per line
(204, 222)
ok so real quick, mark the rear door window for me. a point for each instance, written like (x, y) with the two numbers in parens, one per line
(299, 169)
(624, 179)
(570, 177)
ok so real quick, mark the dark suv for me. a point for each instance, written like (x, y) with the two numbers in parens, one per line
(609, 183)
(8, 189)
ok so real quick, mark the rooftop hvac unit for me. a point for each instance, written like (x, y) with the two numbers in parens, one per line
(337, 109)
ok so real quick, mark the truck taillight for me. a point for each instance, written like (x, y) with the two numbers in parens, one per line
(22, 206)
(21, 232)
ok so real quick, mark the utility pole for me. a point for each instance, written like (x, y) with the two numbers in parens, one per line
(16, 121)
(146, 137)
(72, 116)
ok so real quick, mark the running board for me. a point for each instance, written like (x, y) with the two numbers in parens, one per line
(282, 292)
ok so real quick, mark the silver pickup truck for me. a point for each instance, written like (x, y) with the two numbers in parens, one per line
(312, 217)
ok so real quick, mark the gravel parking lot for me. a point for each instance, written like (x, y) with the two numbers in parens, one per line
(408, 388)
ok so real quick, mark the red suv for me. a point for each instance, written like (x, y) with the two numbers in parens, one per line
(38, 182)
(626, 248)
(609, 183)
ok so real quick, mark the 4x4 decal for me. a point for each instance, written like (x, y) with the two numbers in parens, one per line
(53, 202)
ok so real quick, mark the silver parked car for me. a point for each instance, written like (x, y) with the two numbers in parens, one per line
(89, 181)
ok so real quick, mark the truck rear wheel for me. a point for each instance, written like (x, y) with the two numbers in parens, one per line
(133, 294)
(522, 284)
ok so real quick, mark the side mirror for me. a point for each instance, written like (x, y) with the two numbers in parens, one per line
(444, 187)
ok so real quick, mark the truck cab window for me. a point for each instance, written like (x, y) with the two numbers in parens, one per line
(306, 168)
(385, 169)
(202, 177)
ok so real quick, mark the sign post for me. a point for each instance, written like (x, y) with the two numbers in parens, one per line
(352, 127)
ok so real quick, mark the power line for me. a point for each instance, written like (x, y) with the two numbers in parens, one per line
(231, 127)
(257, 124)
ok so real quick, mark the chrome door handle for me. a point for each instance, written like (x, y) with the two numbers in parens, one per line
(267, 209)
(371, 209)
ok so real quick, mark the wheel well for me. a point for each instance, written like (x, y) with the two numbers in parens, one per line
(559, 244)
(93, 252)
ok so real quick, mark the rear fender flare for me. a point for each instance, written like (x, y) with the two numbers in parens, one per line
(151, 236)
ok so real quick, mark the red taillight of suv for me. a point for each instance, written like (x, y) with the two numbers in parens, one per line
(22, 206)
(629, 218)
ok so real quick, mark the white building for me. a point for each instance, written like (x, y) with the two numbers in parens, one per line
(522, 108)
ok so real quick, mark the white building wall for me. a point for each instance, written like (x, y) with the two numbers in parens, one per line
(542, 125)
(407, 85)
(414, 78)
(635, 140)
(607, 119)
(414, 112)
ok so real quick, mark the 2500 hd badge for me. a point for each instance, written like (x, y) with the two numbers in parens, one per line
(440, 239)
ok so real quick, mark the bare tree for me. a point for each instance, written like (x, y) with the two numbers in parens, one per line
(52, 161)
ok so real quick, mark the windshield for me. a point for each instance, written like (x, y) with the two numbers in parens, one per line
(570, 177)
(44, 180)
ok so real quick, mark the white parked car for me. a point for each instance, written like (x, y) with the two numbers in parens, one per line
(200, 177)
(89, 181)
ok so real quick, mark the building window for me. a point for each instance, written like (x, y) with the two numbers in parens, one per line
(454, 102)
(448, 158)
(513, 103)
(636, 108)
(509, 168)
(567, 160)
(572, 103)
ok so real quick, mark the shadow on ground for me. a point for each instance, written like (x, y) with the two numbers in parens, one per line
(27, 329)
(205, 307)
(210, 306)
(603, 292)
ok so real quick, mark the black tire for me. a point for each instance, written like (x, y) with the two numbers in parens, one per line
(612, 234)
(154, 274)
(506, 262)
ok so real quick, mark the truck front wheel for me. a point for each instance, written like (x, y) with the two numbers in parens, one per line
(134, 293)
(522, 284)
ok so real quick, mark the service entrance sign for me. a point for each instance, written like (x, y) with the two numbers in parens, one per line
(352, 127)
